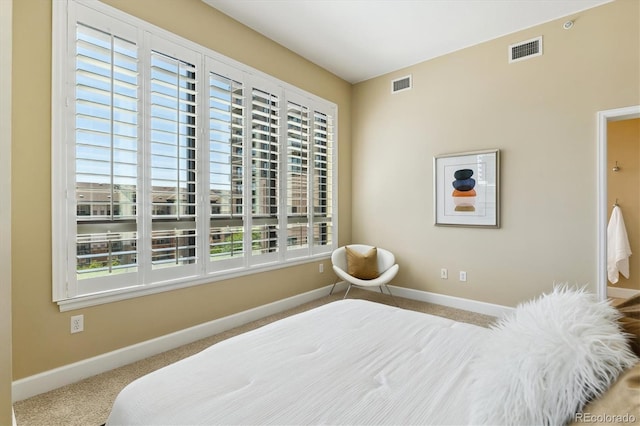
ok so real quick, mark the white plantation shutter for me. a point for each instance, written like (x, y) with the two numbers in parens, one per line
(323, 169)
(175, 166)
(265, 151)
(106, 154)
(298, 135)
(226, 170)
(172, 143)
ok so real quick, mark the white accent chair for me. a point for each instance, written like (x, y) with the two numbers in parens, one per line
(387, 268)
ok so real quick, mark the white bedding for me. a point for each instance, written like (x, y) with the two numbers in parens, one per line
(347, 362)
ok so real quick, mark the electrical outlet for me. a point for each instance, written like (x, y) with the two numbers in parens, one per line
(77, 323)
(321, 268)
(463, 276)
(444, 274)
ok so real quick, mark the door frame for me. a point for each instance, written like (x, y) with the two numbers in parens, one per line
(604, 117)
(6, 37)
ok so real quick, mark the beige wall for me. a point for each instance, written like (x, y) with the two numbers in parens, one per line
(623, 186)
(5, 212)
(41, 338)
(541, 114)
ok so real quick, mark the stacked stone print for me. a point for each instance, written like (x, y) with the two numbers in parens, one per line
(464, 194)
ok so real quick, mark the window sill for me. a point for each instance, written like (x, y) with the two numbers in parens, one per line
(139, 291)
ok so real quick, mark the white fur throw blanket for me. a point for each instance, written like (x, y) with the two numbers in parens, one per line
(541, 364)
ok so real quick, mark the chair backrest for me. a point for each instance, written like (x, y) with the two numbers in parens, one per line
(386, 259)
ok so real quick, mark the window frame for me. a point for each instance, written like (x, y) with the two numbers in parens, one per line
(64, 221)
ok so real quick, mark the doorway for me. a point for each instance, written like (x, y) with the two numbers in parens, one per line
(605, 117)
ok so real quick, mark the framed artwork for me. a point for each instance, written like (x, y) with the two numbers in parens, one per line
(467, 189)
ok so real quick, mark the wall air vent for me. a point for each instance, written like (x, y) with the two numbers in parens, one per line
(401, 84)
(525, 49)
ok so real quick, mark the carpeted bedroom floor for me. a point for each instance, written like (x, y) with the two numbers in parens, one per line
(88, 402)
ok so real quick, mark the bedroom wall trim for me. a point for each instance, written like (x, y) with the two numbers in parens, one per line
(452, 301)
(65, 375)
(6, 66)
(622, 293)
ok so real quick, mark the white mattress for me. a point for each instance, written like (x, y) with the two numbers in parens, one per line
(347, 362)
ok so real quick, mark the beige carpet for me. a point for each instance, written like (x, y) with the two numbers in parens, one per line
(88, 402)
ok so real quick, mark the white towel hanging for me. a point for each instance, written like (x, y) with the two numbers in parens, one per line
(618, 248)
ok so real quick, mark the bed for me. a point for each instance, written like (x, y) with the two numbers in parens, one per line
(347, 362)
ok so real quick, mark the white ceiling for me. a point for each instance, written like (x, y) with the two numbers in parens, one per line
(361, 39)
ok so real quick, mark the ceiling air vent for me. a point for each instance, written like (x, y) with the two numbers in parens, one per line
(525, 49)
(401, 84)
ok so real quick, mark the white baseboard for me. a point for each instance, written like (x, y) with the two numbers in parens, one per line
(444, 300)
(452, 301)
(65, 375)
(622, 293)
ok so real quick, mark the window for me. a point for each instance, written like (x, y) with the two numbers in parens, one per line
(173, 165)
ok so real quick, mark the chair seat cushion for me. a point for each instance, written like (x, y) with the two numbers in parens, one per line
(362, 265)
